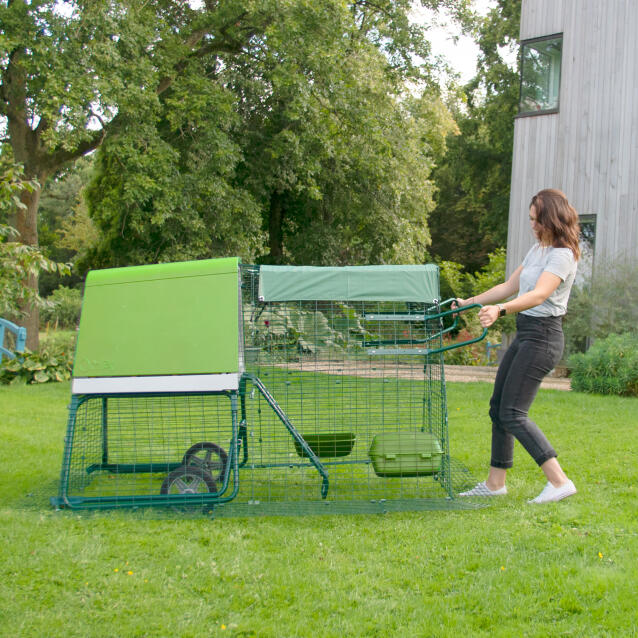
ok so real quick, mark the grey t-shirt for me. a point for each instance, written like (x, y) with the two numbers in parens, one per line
(558, 261)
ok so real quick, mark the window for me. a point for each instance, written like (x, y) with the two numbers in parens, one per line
(540, 75)
(587, 249)
(585, 271)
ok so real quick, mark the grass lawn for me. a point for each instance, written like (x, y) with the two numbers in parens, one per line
(510, 569)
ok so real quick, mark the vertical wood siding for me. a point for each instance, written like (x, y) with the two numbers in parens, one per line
(589, 149)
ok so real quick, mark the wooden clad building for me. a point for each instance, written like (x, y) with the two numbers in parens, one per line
(577, 127)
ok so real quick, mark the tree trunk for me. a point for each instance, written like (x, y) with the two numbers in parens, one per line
(26, 223)
(275, 228)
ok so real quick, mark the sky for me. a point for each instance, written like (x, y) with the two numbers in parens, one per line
(461, 55)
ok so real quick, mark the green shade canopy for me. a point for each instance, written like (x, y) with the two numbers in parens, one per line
(418, 283)
(164, 319)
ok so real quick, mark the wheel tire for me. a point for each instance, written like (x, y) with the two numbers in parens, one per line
(188, 479)
(209, 456)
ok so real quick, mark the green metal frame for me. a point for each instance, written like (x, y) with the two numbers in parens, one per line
(239, 441)
(64, 500)
(455, 312)
(239, 454)
(314, 460)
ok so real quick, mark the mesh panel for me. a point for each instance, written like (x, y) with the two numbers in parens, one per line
(122, 450)
(340, 408)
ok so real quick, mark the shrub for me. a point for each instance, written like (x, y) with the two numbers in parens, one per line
(53, 364)
(64, 309)
(610, 366)
(58, 340)
(474, 354)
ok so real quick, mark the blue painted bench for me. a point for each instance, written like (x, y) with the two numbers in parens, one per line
(20, 335)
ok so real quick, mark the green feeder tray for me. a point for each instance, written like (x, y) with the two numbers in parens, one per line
(328, 444)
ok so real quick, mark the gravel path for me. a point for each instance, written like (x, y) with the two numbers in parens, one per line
(452, 373)
(487, 374)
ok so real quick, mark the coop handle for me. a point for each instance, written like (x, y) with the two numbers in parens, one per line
(453, 311)
(456, 311)
(437, 335)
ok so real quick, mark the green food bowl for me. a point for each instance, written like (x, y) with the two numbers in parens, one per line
(327, 444)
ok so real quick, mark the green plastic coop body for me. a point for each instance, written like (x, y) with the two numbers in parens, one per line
(159, 328)
(244, 390)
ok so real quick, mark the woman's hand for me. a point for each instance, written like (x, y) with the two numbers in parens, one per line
(458, 303)
(488, 315)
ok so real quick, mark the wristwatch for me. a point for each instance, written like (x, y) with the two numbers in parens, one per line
(501, 310)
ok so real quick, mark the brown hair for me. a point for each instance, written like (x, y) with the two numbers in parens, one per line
(557, 219)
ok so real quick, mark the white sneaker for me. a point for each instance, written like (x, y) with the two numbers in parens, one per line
(551, 494)
(481, 489)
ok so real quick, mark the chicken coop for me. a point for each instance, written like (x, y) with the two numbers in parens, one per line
(247, 390)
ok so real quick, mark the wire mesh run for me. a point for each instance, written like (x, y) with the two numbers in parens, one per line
(341, 407)
(353, 381)
(147, 450)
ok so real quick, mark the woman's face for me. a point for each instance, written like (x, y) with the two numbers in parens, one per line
(537, 229)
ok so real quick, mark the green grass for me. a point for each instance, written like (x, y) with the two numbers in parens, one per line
(510, 569)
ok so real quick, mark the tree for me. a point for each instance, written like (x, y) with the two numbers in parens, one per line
(65, 231)
(72, 73)
(473, 181)
(318, 155)
(146, 80)
(332, 151)
(17, 261)
(163, 191)
(337, 154)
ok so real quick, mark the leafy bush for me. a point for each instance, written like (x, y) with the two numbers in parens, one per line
(18, 262)
(474, 354)
(54, 364)
(58, 340)
(610, 366)
(307, 331)
(64, 309)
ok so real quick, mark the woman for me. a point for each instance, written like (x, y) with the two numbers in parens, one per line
(543, 283)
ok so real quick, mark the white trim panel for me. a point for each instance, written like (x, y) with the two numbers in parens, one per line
(171, 383)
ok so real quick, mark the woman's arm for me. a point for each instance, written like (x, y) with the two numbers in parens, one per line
(545, 286)
(496, 293)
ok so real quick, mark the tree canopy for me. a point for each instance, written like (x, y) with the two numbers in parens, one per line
(74, 72)
(278, 130)
(471, 216)
(301, 147)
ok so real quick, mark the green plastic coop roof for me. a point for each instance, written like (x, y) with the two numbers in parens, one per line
(418, 283)
(160, 321)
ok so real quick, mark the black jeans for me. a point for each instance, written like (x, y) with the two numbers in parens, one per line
(536, 349)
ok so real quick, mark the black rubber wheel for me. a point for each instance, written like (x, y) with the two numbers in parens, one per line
(188, 479)
(209, 456)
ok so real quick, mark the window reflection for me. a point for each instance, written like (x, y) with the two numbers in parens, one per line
(587, 249)
(540, 75)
